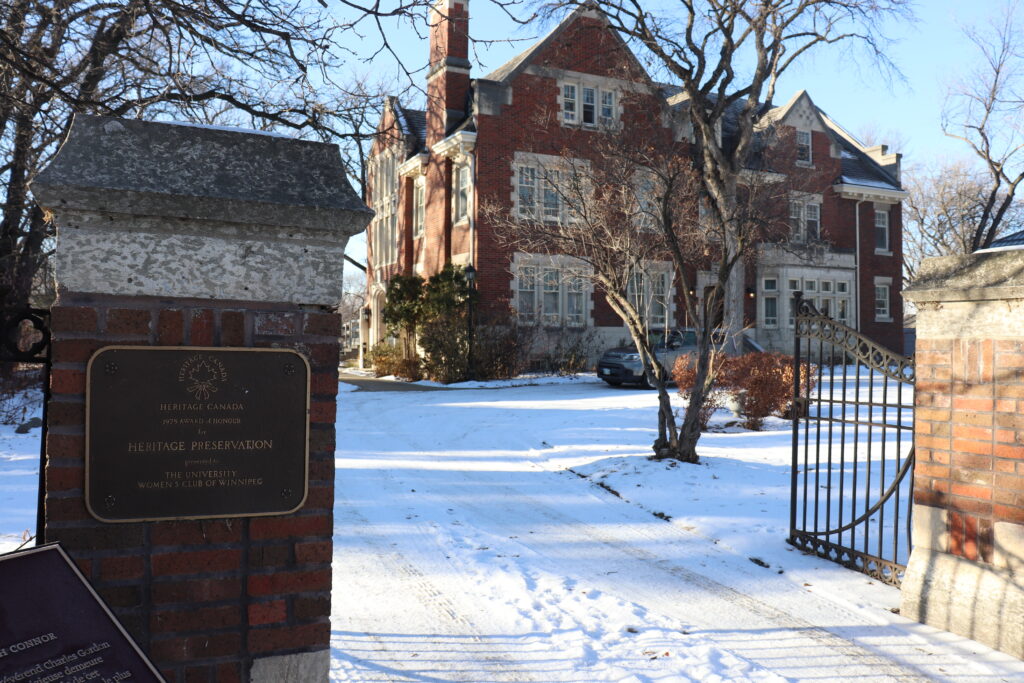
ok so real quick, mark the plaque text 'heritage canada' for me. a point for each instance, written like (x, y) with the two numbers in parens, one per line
(185, 433)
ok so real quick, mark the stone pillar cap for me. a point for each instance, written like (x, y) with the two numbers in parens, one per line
(187, 171)
(971, 277)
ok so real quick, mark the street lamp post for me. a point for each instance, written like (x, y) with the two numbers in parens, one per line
(470, 273)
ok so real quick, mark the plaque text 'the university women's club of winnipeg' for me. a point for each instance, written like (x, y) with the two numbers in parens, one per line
(185, 433)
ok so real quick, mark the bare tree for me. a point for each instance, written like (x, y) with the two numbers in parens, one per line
(624, 207)
(726, 57)
(353, 295)
(257, 63)
(946, 203)
(985, 109)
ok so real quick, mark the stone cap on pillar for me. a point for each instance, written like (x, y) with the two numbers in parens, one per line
(974, 296)
(970, 277)
(173, 209)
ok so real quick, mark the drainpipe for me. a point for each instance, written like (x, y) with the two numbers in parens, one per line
(856, 263)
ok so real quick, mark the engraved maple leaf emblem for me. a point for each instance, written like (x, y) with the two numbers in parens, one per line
(202, 380)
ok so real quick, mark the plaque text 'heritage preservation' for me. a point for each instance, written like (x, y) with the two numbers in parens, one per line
(184, 433)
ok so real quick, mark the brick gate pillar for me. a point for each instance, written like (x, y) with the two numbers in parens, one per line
(172, 235)
(966, 571)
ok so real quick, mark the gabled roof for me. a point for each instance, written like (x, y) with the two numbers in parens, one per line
(858, 168)
(413, 123)
(517, 64)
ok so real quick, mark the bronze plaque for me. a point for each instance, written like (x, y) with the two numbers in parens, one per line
(186, 433)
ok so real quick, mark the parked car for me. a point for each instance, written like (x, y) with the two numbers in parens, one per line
(622, 365)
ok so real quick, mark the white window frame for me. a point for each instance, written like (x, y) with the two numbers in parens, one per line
(570, 103)
(767, 321)
(419, 206)
(539, 187)
(551, 295)
(575, 105)
(588, 98)
(801, 215)
(606, 108)
(650, 289)
(883, 284)
(462, 192)
(576, 290)
(526, 186)
(557, 288)
(769, 290)
(526, 285)
(384, 233)
(646, 206)
(882, 224)
(551, 205)
(843, 310)
(804, 141)
(812, 213)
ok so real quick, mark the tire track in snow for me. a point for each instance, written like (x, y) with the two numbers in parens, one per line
(862, 663)
(417, 586)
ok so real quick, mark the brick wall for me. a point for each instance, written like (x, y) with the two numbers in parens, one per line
(969, 436)
(966, 569)
(205, 597)
(529, 122)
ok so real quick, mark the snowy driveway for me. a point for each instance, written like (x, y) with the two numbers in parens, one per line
(465, 550)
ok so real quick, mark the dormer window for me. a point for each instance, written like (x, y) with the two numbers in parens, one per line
(803, 147)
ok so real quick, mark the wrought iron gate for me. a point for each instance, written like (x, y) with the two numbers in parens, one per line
(853, 454)
(26, 341)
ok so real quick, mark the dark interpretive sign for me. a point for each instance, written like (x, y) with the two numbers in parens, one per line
(185, 433)
(55, 629)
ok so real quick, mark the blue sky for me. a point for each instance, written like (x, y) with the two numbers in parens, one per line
(903, 113)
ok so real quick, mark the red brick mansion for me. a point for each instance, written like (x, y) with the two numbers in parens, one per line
(481, 140)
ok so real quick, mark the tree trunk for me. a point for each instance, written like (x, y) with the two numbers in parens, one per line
(690, 430)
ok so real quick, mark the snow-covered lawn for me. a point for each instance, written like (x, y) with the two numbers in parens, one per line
(521, 534)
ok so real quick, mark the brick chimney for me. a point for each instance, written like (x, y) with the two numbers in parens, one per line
(448, 78)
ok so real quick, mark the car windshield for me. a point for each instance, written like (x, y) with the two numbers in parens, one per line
(675, 338)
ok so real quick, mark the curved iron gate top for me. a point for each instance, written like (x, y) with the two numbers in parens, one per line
(853, 450)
